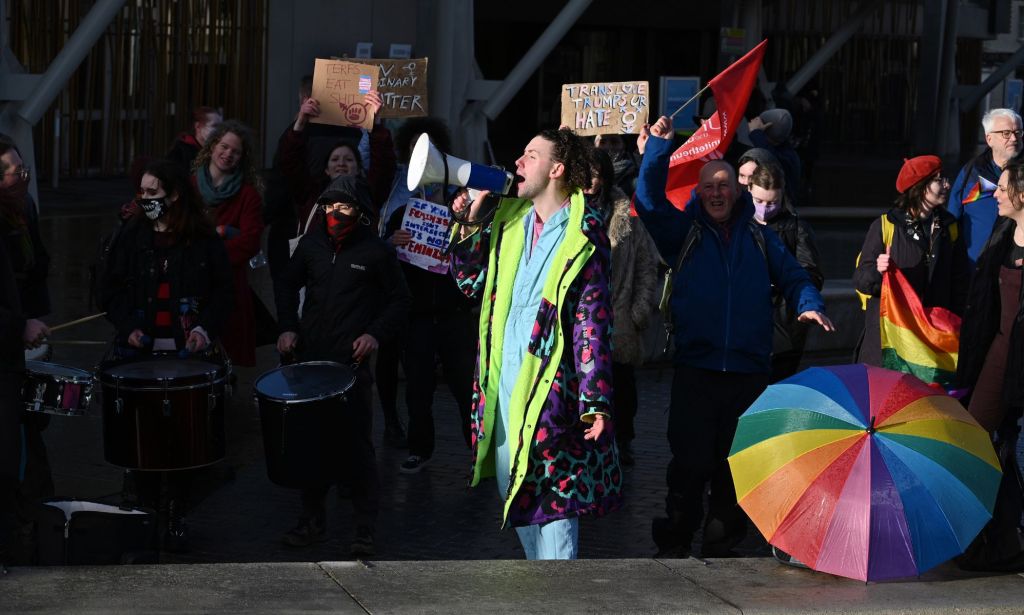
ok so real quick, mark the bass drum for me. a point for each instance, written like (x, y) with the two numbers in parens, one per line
(163, 413)
(302, 410)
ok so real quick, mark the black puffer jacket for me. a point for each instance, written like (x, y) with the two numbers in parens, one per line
(12, 321)
(198, 269)
(796, 234)
(30, 273)
(935, 265)
(981, 318)
(357, 290)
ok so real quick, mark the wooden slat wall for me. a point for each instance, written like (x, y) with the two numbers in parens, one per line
(870, 84)
(135, 90)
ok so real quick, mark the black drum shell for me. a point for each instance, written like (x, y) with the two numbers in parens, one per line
(142, 432)
(302, 440)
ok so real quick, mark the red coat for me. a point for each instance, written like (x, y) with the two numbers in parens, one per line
(244, 212)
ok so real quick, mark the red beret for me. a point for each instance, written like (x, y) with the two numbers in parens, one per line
(916, 169)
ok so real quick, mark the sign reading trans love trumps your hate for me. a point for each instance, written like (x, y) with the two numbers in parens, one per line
(341, 87)
(428, 224)
(619, 107)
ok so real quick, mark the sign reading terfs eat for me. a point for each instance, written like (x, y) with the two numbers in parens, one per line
(619, 107)
(340, 87)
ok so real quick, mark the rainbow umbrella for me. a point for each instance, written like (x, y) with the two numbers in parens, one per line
(863, 472)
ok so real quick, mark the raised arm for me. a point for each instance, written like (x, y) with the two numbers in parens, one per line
(666, 224)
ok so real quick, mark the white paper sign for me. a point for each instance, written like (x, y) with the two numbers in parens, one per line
(428, 224)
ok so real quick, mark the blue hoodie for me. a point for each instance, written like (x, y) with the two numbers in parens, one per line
(722, 296)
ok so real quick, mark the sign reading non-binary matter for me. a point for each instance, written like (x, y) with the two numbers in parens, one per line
(403, 86)
(340, 87)
(619, 107)
(428, 224)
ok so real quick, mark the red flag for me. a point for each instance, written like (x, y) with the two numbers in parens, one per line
(731, 90)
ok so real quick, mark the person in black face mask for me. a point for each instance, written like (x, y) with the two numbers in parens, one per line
(172, 245)
(356, 298)
(167, 288)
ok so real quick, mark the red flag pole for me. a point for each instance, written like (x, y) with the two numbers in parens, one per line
(693, 98)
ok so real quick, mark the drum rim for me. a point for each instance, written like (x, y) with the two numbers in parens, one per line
(86, 377)
(341, 391)
(71, 413)
(134, 383)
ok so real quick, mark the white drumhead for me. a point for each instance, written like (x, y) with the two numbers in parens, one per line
(41, 353)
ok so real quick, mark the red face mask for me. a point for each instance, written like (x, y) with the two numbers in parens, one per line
(340, 226)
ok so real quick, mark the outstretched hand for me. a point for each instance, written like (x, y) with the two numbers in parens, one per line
(596, 429)
(823, 321)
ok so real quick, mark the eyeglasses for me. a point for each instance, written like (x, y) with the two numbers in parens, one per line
(332, 207)
(23, 173)
(1006, 134)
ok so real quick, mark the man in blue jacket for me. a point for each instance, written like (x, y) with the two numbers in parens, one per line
(972, 200)
(726, 266)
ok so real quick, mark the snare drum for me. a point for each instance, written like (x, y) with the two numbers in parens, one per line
(43, 352)
(163, 413)
(302, 409)
(56, 389)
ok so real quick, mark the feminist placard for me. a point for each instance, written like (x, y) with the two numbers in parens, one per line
(428, 224)
(340, 87)
(619, 107)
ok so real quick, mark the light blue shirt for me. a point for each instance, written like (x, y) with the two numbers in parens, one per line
(527, 291)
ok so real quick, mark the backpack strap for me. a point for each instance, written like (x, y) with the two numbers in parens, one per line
(693, 237)
(888, 228)
(887, 231)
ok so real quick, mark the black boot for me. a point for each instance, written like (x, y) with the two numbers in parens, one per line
(669, 533)
(176, 537)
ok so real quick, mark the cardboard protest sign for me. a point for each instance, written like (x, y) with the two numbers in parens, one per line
(340, 87)
(403, 86)
(428, 223)
(605, 108)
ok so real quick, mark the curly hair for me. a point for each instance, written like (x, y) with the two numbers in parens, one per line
(572, 152)
(415, 126)
(247, 163)
(1015, 185)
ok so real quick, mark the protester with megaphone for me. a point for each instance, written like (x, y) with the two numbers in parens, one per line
(543, 389)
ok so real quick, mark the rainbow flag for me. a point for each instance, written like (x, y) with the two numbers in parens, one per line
(917, 340)
(982, 189)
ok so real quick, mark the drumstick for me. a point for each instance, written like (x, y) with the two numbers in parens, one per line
(77, 322)
(76, 342)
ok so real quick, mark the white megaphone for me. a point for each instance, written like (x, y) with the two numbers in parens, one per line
(429, 165)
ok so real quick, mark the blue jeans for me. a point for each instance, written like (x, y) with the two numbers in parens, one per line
(553, 540)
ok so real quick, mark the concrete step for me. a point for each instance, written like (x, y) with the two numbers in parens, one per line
(756, 585)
